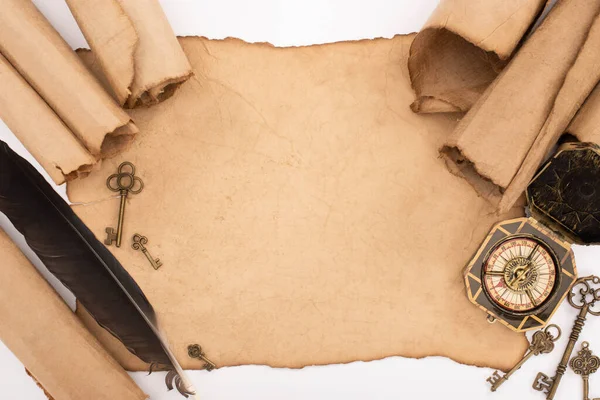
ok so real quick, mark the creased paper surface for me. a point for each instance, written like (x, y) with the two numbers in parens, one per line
(462, 48)
(135, 46)
(39, 328)
(302, 212)
(502, 140)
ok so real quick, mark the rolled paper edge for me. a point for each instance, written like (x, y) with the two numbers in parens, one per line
(115, 51)
(432, 105)
(462, 167)
(157, 92)
(435, 100)
(497, 45)
(46, 137)
(154, 83)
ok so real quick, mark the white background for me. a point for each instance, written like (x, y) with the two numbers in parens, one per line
(294, 23)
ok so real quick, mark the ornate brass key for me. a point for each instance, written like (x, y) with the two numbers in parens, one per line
(124, 182)
(585, 364)
(542, 342)
(139, 243)
(583, 296)
(195, 351)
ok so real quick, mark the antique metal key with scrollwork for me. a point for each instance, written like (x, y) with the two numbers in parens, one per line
(583, 296)
(585, 364)
(139, 243)
(124, 182)
(195, 351)
(542, 342)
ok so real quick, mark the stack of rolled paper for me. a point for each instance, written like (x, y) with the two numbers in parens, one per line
(56, 107)
(522, 73)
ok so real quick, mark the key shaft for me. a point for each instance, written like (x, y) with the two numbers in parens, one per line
(496, 383)
(562, 366)
(124, 194)
(155, 262)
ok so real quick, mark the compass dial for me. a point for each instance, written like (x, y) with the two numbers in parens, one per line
(520, 274)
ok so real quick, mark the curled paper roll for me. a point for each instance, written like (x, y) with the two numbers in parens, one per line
(44, 135)
(39, 328)
(503, 139)
(461, 49)
(26, 37)
(137, 50)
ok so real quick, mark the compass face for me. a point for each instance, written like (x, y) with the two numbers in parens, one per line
(520, 274)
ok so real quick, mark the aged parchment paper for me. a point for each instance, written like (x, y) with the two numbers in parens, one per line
(462, 48)
(135, 46)
(302, 212)
(39, 328)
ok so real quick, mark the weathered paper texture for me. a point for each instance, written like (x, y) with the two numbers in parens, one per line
(50, 66)
(462, 47)
(39, 128)
(135, 46)
(502, 140)
(39, 328)
(302, 212)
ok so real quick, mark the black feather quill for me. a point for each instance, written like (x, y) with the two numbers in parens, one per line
(72, 253)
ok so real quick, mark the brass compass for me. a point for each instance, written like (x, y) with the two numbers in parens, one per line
(520, 274)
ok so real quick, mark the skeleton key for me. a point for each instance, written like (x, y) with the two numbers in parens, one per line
(583, 296)
(585, 364)
(139, 243)
(542, 342)
(124, 183)
(195, 351)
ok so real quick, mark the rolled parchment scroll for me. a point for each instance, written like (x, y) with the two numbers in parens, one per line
(137, 50)
(40, 130)
(462, 48)
(39, 328)
(503, 139)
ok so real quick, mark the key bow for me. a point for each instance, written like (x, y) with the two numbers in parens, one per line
(139, 241)
(542, 342)
(585, 294)
(585, 363)
(125, 179)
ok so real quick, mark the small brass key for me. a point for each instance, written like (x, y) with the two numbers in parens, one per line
(585, 364)
(542, 342)
(139, 243)
(583, 296)
(195, 351)
(124, 182)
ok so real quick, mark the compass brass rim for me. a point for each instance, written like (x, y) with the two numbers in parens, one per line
(555, 288)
